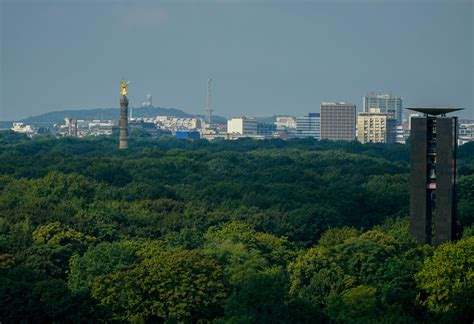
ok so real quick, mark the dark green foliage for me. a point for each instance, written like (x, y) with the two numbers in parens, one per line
(244, 231)
(10, 136)
(99, 260)
(260, 297)
(26, 296)
(354, 305)
(466, 200)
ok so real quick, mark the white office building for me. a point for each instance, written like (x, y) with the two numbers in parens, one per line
(22, 128)
(283, 123)
(242, 125)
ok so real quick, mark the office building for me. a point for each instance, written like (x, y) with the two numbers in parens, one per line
(375, 127)
(433, 176)
(402, 133)
(139, 127)
(265, 129)
(338, 121)
(309, 126)
(242, 125)
(285, 127)
(393, 106)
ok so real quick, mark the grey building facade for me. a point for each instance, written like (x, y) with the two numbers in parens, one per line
(338, 121)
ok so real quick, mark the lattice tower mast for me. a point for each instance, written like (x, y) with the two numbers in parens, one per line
(209, 102)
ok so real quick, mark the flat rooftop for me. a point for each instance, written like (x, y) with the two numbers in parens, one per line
(435, 111)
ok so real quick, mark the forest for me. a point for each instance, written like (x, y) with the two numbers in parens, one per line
(246, 231)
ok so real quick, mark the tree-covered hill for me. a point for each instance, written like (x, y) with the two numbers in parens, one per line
(228, 231)
(110, 114)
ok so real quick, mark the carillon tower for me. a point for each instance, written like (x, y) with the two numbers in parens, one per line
(433, 175)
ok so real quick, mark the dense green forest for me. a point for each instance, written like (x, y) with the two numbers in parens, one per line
(242, 231)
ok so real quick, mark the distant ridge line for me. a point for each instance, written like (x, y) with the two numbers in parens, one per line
(108, 114)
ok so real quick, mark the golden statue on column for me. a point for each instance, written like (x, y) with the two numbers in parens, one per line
(124, 85)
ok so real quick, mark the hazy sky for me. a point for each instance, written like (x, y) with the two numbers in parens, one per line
(266, 57)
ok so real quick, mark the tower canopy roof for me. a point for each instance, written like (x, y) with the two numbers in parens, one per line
(435, 111)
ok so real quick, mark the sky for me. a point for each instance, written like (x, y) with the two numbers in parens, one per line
(265, 57)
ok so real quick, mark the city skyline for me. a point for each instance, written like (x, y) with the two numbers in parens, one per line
(285, 59)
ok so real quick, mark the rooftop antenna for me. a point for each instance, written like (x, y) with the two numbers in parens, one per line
(209, 102)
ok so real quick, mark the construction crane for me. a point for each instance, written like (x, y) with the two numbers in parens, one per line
(209, 102)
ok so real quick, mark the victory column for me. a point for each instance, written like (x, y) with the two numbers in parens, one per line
(123, 122)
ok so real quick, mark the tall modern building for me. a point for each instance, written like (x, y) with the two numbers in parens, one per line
(309, 126)
(375, 127)
(393, 106)
(338, 121)
(433, 176)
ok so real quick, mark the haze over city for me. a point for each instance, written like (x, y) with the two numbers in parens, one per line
(265, 57)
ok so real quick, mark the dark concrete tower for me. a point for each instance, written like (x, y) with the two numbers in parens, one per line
(433, 175)
(123, 122)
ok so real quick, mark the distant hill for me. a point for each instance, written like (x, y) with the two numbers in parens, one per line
(111, 114)
(103, 113)
(5, 124)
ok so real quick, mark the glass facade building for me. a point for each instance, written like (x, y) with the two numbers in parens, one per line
(393, 106)
(309, 126)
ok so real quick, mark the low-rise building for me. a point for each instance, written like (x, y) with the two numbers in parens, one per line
(285, 127)
(22, 128)
(100, 127)
(283, 123)
(175, 123)
(266, 129)
(143, 127)
(309, 126)
(466, 131)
